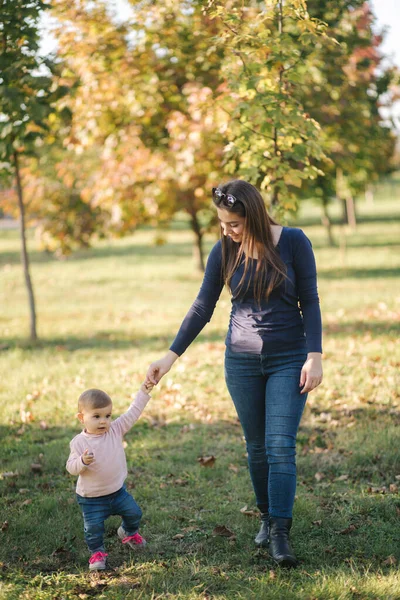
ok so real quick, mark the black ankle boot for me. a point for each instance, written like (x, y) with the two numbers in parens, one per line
(279, 545)
(262, 537)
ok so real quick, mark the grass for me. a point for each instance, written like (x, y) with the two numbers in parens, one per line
(103, 316)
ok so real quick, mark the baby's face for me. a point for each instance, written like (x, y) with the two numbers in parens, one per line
(96, 420)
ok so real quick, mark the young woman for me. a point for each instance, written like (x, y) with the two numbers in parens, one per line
(273, 345)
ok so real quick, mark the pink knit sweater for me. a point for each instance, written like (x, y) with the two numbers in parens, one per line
(108, 472)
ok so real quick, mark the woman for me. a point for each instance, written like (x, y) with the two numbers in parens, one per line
(273, 345)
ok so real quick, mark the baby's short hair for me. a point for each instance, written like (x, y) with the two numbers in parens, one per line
(93, 399)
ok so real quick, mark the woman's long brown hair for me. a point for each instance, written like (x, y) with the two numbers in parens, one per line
(257, 238)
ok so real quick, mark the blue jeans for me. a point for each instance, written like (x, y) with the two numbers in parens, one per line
(266, 394)
(97, 510)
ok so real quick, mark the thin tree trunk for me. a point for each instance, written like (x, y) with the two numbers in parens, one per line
(326, 222)
(198, 247)
(351, 211)
(275, 193)
(24, 252)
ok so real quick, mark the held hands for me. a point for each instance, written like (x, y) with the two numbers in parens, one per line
(160, 367)
(311, 373)
(147, 386)
(87, 457)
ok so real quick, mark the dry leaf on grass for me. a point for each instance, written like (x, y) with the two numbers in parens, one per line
(36, 467)
(390, 561)
(348, 529)
(9, 474)
(319, 476)
(377, 490)
(4, 526)
(318, 522)
(207, 461)
(178, 536)
(221, 530)
(249, 513)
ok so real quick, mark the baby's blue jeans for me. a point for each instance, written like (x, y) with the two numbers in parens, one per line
(97, 510)
(266, 394)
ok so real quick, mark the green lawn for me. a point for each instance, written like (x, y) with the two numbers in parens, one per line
(103, 316)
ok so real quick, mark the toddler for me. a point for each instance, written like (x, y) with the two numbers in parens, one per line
(98, 457)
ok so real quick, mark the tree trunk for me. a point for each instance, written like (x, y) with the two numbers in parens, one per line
(326, 222)
(198, 247)
(351, 211)
(24, 252)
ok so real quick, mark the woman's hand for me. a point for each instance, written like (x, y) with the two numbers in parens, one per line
(311, 373)
(158, 368)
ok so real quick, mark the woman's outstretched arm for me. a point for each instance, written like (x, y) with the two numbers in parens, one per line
(197, 317)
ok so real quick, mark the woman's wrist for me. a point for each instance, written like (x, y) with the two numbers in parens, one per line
(317, 355)
(171, 356)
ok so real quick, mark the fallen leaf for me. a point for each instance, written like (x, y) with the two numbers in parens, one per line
(318, 522)
(342, 478)
(391, 560)
(4, 526)
(233, 468)
(24, 490)
(223, 531)
(43, 425)
(181, 482)
(9, 474)
(272, 574)
(348, 529)
(249, 513)
(319, 476)
(207, 461)
(393, 488)
(36, 467)
(178, 536)
(26, 502)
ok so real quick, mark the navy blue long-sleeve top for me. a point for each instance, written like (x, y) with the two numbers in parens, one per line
(290, 319)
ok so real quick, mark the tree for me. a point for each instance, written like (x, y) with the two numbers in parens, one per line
(273, 142)
(28, 96)
(344, 92)
(146, 103)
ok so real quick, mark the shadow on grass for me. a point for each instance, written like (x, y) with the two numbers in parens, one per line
(349, 273)
(170, 250)
(106, 341)
(360, 328)
(310, 221)
(110, 341)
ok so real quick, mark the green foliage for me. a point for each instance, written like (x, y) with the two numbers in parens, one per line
(273, 142)
(27, 97)
(343, 91)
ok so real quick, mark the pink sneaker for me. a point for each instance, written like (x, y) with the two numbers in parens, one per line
(134, 541)
(97, 562)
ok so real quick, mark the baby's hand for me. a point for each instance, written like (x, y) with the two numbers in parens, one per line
(87, 457)
(147, 386)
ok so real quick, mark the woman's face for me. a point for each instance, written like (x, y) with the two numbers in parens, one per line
(232, 224)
